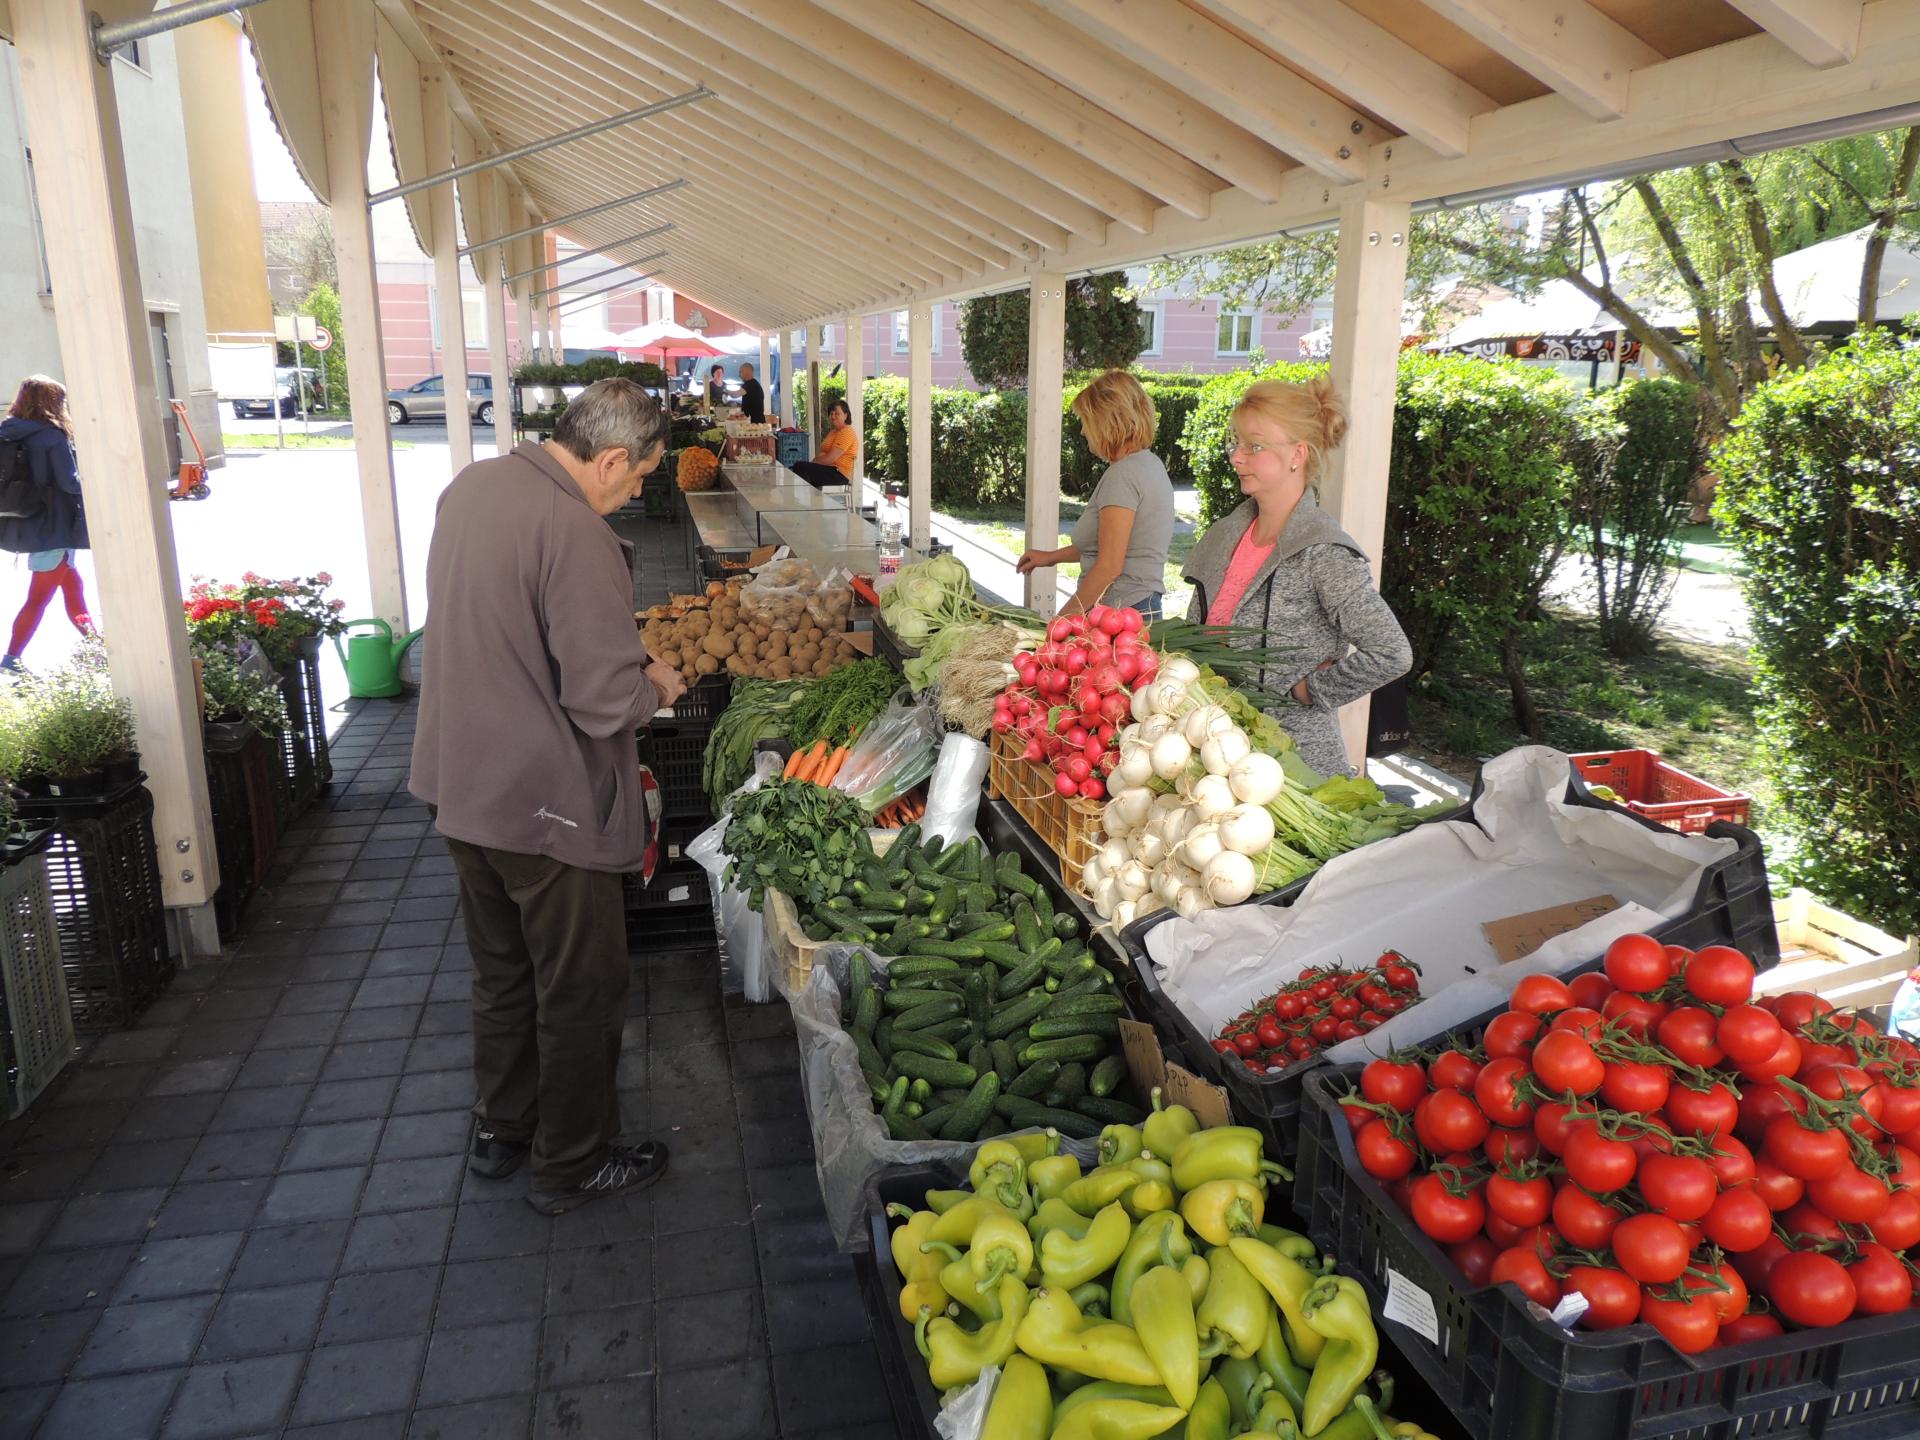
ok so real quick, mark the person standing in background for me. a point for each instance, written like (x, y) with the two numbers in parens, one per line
(717, 390)
(37, 460)
(753, 398)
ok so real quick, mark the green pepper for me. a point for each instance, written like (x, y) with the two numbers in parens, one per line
(1288, 1242)
(982, 1301)
(1056, 1214)
(1245, 1385)
(1160, 1239)
(956, 1358)
(1362, 1420)
(1001, 1246)
(1120, 1143)
(1289, 1378)
(1222, 1209)
(1336, 1309)
(1167, 1127)
(1198, 1274)
(1155, 1190)
(1227, 1152)
(1056, 1334)
(1274, 1408)
(1036, 1145)
(1163, 1319)
(1093, 1193)
(1000, 1171)
(1066, 1262)
(1288, 1282)
(1211, 1416)
(956, 1227)
(941, 1201)
(1022, 1406)
(1233, 1318)
(1093, 1390)
(1091, 1299)
(1050, 1177)
(1117, 1420)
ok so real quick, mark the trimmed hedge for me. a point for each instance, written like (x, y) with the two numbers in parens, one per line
(1476, 501)
(600, 367)
(1208, 432)
(1820, 494)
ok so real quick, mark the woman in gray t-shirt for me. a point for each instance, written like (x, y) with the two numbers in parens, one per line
(1122, 537)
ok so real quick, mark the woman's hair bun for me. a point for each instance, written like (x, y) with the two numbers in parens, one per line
(1331, 411)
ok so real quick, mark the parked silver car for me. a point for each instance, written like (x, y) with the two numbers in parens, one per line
(428, 400)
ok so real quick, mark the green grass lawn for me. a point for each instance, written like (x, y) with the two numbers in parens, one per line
(1692, 703)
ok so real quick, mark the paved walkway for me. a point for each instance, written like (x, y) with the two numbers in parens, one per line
(250, 1214)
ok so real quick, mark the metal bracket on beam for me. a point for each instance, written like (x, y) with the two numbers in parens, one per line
(595, 294)
(632, 239)
(612, 122)
(109, 38)
(602, 274)
(559, 220)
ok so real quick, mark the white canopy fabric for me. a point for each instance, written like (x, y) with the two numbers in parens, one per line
(1820, 286)
(1558, 309)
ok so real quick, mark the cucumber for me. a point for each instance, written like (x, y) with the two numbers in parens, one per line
(896, 1095)
(1007, 957)
(835, 902)
(1006, 865)
(1047, 952)
(934, 1012)
(974, 1111)
(1017, 1016)
(936, 1118)
(880, 899)
(873, 919)
(915, 967)
(979, 996)
(915, 1043)
(1012, 879)
(949, 1094)
(952, 1031)
(1058, 1027)
(1071, 1081)
(930, 851)
(910, 930)
(1026, 926)
(866, 1012)
(948, 950)
(1006, 1061)
(980, 1056)
(1106, 1076)
(883, 1036)
(920, 899)
(904, 1128)
(998, 933)
(1067, 927)
(1018, 982)
(1043, 908)
(945, 861)
(1090, 1003)
(972, 905)
(1071, 1047)
(984, 896)
(815, 931)
(947, 905)
(935, 1072)
(967, 925)
(859, 978)
(1035, 1080)
(1108, 1111)
(904, 841)
(870, 1058)
(901, 999)
(921, 1091)
(1070, 1123)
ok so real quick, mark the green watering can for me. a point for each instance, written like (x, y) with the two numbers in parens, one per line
(373, 660)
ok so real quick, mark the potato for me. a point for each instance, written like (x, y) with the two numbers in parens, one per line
(776, 644)
(705, 665)
(780, 669)
(745, 648)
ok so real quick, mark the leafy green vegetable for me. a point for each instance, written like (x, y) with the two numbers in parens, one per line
(838, 707)
(794, 836)
(756, 711)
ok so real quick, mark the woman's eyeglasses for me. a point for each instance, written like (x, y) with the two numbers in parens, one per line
(1251, 448)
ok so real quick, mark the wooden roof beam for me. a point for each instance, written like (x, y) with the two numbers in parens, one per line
(1036, 99)
(1370, 65)
(1055, 49)
(1566, 43)
(1224, 73)
(836, 135)
(1821, 32)
(875, 123)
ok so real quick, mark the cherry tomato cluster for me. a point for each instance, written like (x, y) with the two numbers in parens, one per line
(1322, 1007)
(1653, 1137)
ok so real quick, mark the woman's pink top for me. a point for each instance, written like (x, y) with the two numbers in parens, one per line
(1247, 560)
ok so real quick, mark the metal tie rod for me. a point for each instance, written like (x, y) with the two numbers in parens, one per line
(109, 38)
(624, 286)
(632, 239)
(560, 220)
(600, 274)
(612, 122)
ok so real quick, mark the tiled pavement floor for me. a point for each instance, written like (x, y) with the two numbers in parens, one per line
(250, 1215)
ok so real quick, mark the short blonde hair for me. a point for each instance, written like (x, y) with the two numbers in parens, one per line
(1115, 415)
(1311, 412)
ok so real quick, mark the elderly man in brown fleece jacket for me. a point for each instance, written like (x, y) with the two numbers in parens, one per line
(536, 681)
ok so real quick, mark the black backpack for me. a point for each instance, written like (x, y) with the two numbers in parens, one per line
(20, 498)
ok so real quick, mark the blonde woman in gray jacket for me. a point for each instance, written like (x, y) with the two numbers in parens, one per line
(1280, 564)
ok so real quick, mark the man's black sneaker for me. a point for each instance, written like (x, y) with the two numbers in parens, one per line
(626, 1168)
(494, 1158)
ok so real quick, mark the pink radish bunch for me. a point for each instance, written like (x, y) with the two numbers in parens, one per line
(1074, 693)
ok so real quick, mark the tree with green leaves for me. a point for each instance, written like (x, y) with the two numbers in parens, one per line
(1700, 241)
(1105, 331)
(323, 304)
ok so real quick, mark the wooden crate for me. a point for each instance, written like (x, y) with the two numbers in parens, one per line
(1069, 828)
(1837, 957)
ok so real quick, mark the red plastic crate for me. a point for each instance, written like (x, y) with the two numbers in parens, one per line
(1663, 793)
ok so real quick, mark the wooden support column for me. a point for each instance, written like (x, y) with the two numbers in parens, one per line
(856, 400)
(73, 124)
(816, 422)
(343, 56)
(1046, 369)
(920, 424)
(493, 265)
(438, 126)
(1369, 292)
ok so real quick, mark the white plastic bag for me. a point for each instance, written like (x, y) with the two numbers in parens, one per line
(742, 931)
(895, 753)
(953, 794)
(963, 1413)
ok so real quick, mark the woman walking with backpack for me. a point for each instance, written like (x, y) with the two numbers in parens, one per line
(44, 518)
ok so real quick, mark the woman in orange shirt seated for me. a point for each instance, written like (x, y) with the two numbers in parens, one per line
(839, 448)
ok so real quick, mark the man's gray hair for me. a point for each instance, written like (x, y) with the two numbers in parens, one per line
(612, 415)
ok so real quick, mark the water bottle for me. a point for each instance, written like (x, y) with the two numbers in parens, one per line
(890, 536)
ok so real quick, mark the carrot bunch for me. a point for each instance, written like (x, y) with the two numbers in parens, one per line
(904, 811)
(818, 763)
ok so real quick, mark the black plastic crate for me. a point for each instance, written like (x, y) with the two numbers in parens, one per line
(306, 664)
(674, 910)
(722, 563)
(915, 1402)
(104, 877)
(674, 753)
(1507, 1375)
(1732, 906)
(228, 798)
(702, 703)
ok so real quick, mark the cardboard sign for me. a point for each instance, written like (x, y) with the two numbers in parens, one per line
(1148, 1067)
(1518, 936)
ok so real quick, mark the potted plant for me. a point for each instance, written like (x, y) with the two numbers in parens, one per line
(77, 737)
